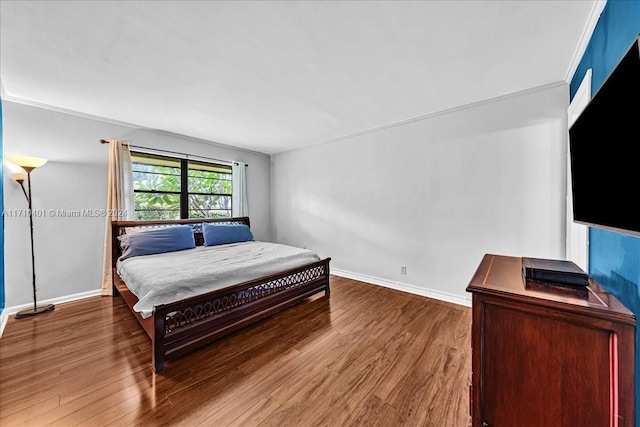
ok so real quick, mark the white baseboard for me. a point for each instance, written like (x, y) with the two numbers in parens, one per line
(425, 292)
(8, 311)
(3, 321)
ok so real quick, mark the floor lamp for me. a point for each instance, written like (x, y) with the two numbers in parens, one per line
(29, 164)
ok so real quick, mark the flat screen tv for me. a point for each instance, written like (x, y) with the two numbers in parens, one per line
(604, 149)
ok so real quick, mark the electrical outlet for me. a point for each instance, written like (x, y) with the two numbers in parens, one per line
(403, 269)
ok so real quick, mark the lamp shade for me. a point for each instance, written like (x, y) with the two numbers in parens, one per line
(26, 162)
(19, 176)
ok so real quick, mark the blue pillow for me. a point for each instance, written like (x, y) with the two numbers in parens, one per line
(157, 241)
(221, 234)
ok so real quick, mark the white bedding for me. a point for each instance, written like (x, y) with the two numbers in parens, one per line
(172, 276)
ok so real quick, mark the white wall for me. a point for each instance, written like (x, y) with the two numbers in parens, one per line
(69, 250)
(434, 194)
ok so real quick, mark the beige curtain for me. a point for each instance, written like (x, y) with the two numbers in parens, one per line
(119, 202)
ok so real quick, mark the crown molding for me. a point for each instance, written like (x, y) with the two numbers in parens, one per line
(596, 11)
(429, 116)
(125, 124)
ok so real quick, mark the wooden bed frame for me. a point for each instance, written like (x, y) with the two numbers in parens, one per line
(179, 327)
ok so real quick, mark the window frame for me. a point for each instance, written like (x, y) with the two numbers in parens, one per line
(184, 192)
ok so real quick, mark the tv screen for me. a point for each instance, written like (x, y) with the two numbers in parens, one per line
(605, 152)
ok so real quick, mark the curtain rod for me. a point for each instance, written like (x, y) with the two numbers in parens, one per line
(104, 141)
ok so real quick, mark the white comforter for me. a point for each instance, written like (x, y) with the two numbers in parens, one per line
(163, 278)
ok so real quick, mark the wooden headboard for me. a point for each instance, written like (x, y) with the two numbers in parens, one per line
(118, 228)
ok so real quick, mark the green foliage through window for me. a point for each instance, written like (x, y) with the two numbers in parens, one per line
(171, 188)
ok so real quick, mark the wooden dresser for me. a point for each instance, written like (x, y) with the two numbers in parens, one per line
(545, 355)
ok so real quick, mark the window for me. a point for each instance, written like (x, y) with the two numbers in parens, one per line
(172, 188)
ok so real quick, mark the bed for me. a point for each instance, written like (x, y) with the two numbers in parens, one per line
(208, 305)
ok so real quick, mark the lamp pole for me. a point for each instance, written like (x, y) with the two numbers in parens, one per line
(33, 256)
(45, 308)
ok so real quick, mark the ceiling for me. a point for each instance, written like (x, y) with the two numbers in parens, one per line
(275, 76)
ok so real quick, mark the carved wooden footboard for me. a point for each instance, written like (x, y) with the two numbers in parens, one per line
(184, 325)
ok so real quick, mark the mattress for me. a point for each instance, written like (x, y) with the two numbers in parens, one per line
(173, 276)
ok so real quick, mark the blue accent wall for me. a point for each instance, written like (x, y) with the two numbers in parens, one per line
(614, 259)
(2, 219)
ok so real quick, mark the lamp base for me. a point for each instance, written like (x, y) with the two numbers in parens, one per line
(31, 312)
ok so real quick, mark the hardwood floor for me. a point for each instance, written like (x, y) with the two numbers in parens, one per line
(365, 356)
